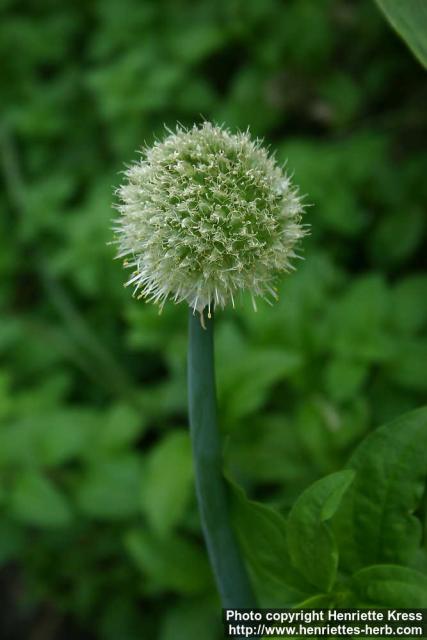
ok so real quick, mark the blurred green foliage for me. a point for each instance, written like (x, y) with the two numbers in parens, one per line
(99, 535)
(353, 538)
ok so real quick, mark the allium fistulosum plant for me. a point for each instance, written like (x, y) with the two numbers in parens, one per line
(205, 215)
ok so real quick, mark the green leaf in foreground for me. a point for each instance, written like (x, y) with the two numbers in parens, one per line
(262, 534)
(376, 523)
(311, 542)
(390, 586)
(409, 19)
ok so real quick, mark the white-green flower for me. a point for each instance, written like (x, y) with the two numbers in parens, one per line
(205, 214)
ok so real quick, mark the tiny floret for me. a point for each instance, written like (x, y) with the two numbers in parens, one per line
(204, 215)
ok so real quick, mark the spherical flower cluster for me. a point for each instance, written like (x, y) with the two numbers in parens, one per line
(205, 214)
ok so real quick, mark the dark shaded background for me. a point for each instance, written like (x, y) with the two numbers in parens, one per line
(99, 535)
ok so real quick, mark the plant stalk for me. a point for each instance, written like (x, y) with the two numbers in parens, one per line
(224, 553)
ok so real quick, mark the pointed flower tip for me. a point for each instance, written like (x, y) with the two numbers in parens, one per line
(205, 214)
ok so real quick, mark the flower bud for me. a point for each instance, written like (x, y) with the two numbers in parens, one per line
(206, 214)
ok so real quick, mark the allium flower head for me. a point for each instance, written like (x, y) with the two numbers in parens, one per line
(206, 214)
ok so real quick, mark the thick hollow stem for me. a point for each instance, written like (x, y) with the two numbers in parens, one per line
(212, 495)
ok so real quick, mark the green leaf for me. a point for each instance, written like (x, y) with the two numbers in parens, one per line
(262, 534)
(170, 564)
(321, 601)
(50, 439)
(409, 19)
(390, 586)
(120, 427)
(344, 377)
(240, 391)
(376, 522)
(36, 501)
(109, 489)
(311, 542)
(62, 436)
(167, 483)
(357, 321)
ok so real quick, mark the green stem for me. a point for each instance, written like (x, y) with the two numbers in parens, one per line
(224, 553)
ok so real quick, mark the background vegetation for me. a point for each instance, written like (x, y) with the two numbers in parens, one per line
(99, 535)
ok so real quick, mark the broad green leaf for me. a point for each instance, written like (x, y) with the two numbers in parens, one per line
(167, 483)
(35, 500)
(409, 19)
(390, 586)
(170, 564)
(376, 523)
(312, 547)
(109, 489)
(262, 534)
